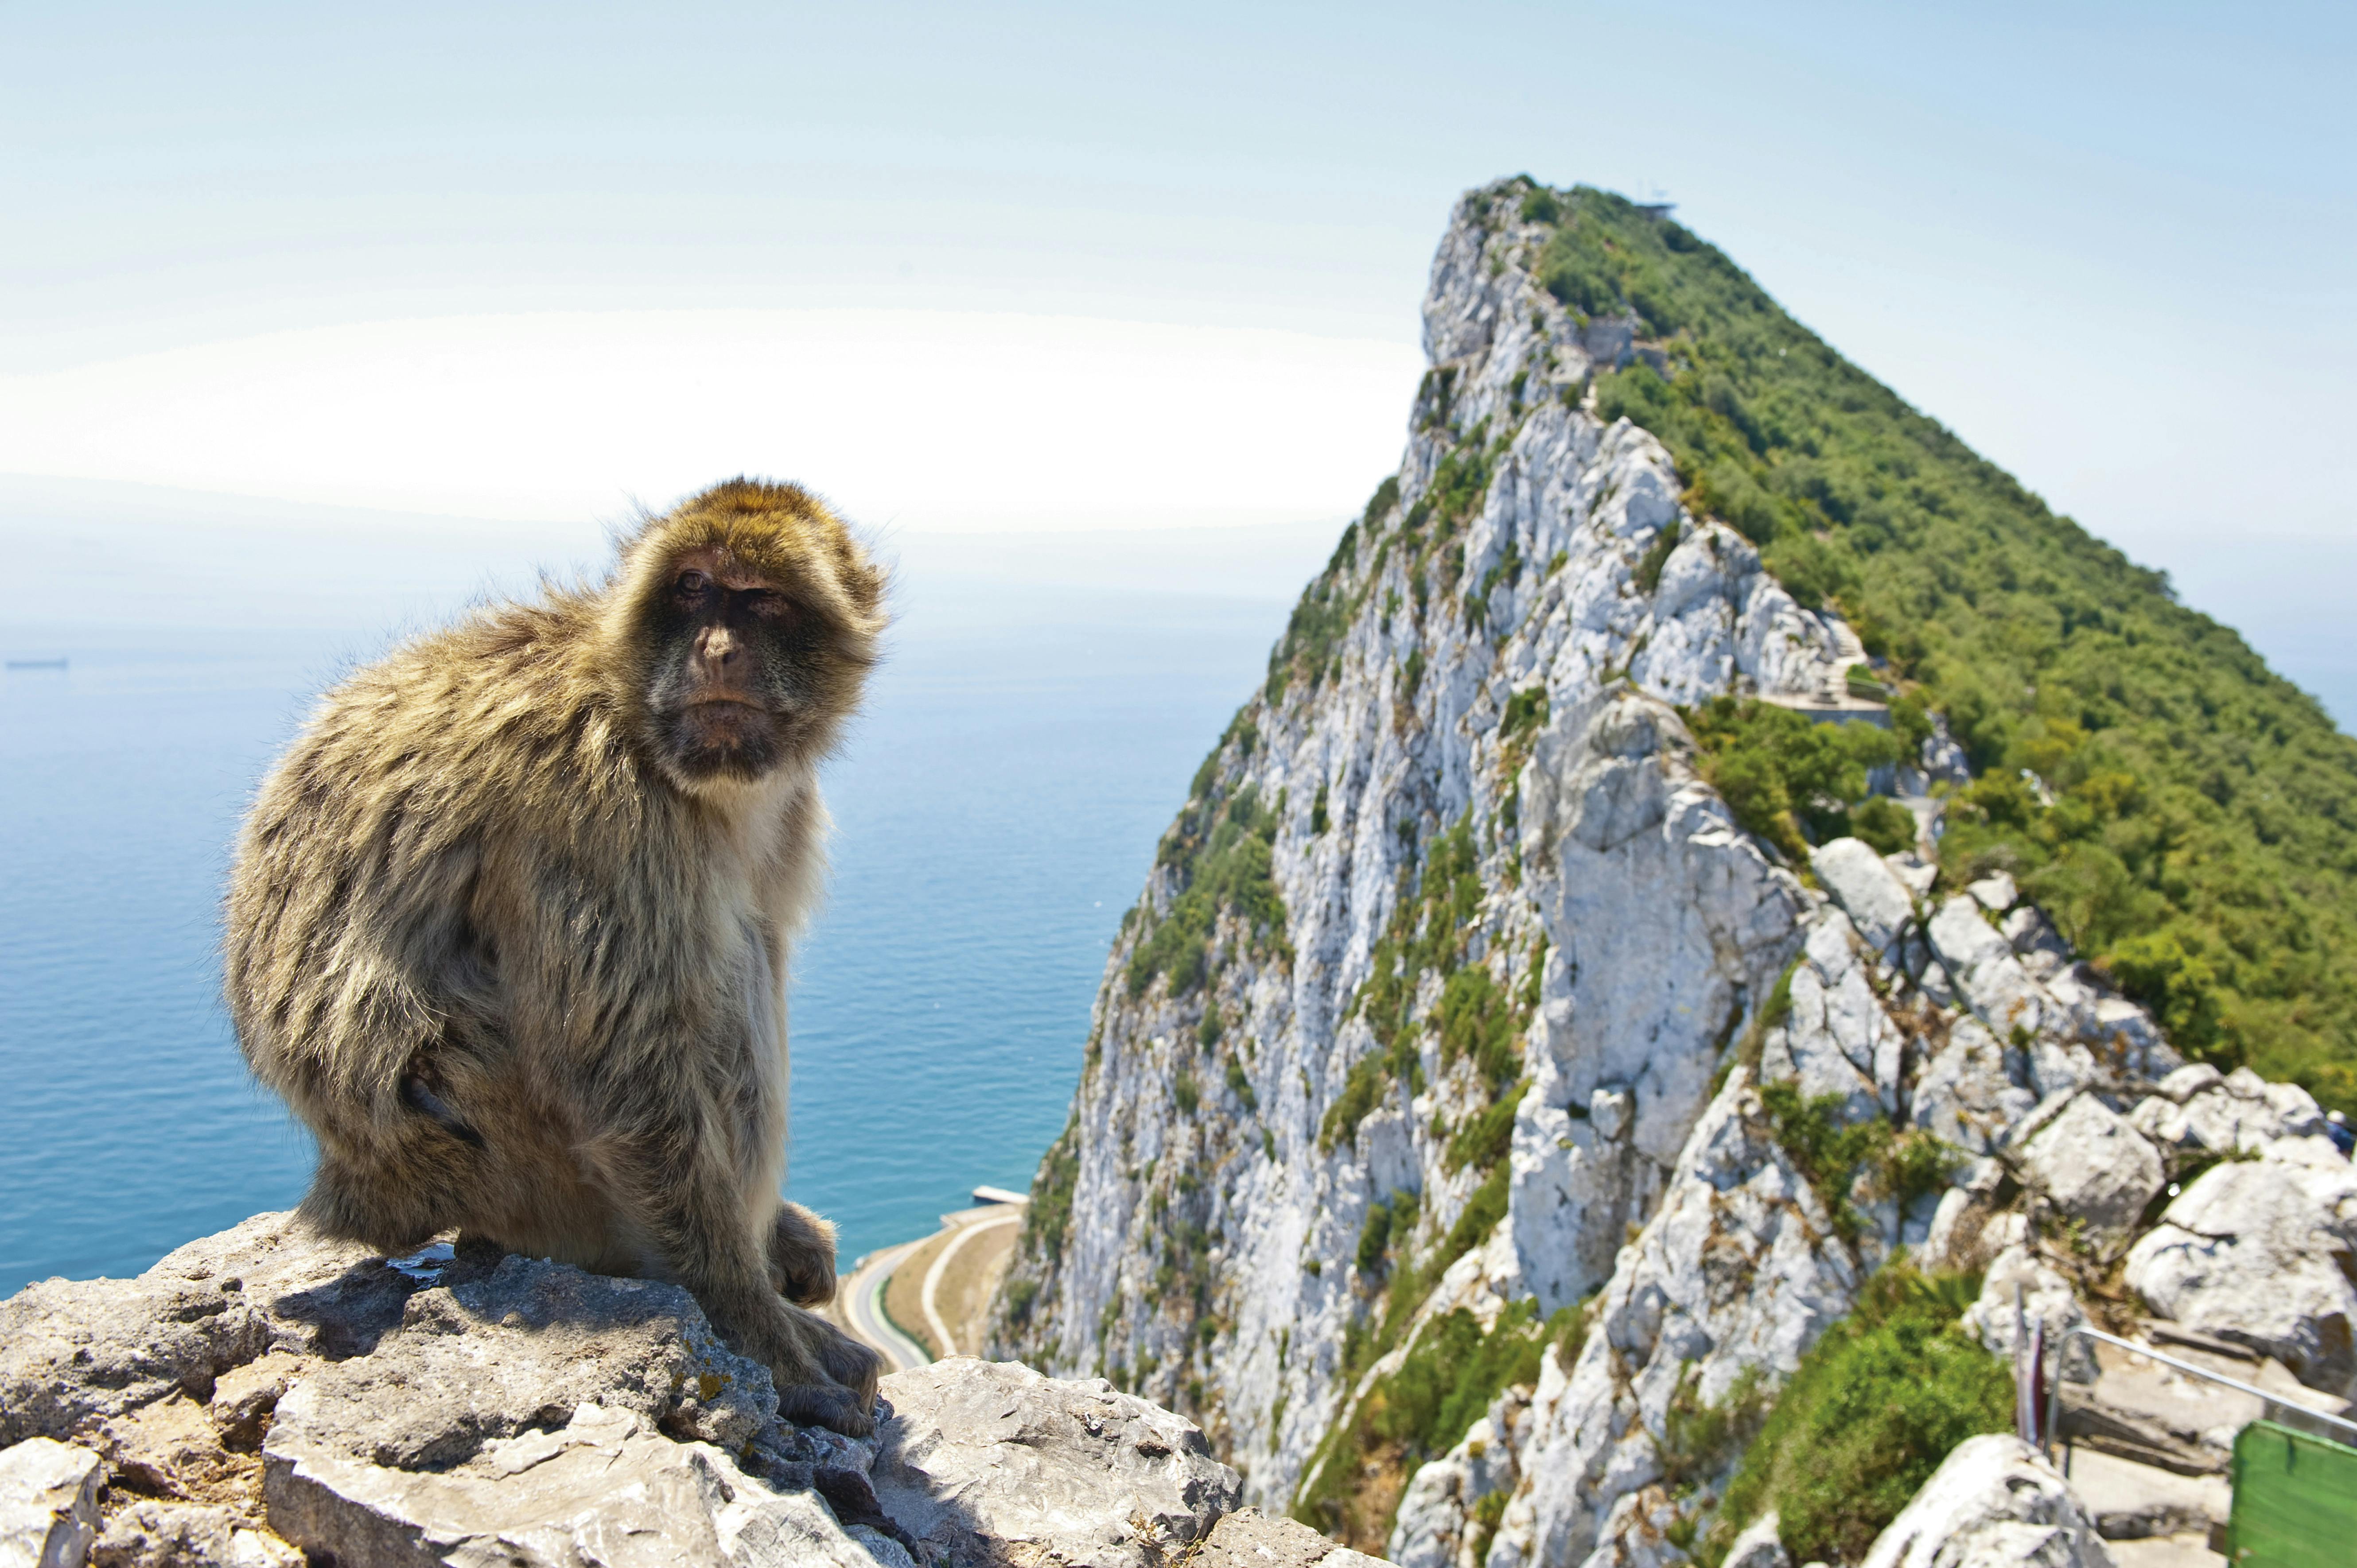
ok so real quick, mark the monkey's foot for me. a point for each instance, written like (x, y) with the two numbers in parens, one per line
(826, 1404)
(801, 1256)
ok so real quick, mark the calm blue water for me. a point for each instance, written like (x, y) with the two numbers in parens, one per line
(996, 811)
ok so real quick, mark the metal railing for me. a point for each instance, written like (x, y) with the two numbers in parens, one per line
(2045, 1439)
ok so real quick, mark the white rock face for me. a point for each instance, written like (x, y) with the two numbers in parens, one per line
(2093, 1165)
(2197, 1108)
(1622, 920)
(1994, 1503)
(1740, 1269)
(1520, 980)
(1877, 902)
(49, 1503)
(1759, 1546)
(1632, 1012)
(2018, 1285)
(2255, 1251)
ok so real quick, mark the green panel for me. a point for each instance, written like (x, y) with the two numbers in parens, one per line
(2295, 1499)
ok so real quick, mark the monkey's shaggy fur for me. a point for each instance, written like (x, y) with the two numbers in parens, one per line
(523, 976)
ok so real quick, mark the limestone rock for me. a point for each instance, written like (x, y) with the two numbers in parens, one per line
(2254, 1253)
(603, 1488)
(1988, 971)
(73, 1351)
(521, 1348)
(151, 1534)
(1996, 892)
(1740, 1269)
(1429, 1530)
(2197, 1110)
(1877, 902)
(1250, 1538)
(258, 1399)
(1973, 1090)
(1993, 1503)
(1759, 1546)
(2092, 1165)
(1636, 1533)
(49, 1503)
(1610, 811)
(1838, 1040)
(2045, 1298)
(990, 1461)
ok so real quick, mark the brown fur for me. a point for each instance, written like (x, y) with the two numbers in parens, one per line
(523, 971)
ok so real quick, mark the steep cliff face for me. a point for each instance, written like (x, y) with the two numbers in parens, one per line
(1471, 1103)
(1448, 914)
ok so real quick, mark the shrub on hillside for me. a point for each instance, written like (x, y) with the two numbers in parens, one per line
(1873, 1408)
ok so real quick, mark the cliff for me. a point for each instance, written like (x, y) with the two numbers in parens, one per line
(261, 1399)
(1516, 1064)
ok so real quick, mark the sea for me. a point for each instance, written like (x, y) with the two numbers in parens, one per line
(997, 808)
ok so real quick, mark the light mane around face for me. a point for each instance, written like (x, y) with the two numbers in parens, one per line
(750, 625)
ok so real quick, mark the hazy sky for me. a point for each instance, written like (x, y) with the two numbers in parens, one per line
(525, 261)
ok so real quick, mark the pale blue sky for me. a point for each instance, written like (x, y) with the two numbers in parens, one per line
(2110, 245)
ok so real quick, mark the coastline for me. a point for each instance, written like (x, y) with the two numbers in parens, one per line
(921, 1300)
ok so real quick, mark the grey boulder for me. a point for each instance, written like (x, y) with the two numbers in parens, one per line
(49, 1503)
(1994, 1501)
(2254, 1253)
(261, 1397)
(989, 1461)
(2091, 1165)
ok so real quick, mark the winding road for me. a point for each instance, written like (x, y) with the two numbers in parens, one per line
(966, 1232)
(863, 1307)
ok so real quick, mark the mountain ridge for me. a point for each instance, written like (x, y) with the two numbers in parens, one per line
(1494, 1041)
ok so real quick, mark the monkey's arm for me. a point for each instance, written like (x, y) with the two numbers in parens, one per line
(667, 1167)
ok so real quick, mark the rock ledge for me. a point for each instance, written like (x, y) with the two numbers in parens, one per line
(261, 1397)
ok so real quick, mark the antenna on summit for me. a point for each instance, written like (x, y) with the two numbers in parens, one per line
(1657, 202)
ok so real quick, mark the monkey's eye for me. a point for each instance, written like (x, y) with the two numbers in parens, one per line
(770, 606)
(692, 583)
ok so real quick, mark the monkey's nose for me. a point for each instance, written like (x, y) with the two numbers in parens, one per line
(719, 648)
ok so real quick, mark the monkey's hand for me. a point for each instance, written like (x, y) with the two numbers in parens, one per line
(801, 1256)
(824, 1378)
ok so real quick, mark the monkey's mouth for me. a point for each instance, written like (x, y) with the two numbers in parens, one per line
(724, 735)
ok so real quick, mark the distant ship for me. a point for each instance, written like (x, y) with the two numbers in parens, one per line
(37, 664)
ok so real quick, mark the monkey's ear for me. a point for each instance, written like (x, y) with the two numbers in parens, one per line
(865, 582)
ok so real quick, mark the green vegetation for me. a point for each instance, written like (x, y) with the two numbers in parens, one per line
(1657, 555)
(1048, 1215)
(1240, 1086)
(1444, 1384)
(1789, 779)
(1487, 1135)
(1323, 616)
(1223, 850)
(1883, 822)
(1699, 1438)
(1903, 1166)
(1873, 1408)
(1383, 1217)
(2203, 834)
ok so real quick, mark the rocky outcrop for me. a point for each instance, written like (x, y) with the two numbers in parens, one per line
(1459, 1002)
(49, 1503)
(2264, 1252)
(263, 1398)
(1994, 1503)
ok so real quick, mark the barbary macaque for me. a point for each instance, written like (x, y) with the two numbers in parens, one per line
(510, 921)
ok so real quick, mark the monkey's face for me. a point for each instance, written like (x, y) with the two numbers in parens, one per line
(741, 667)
